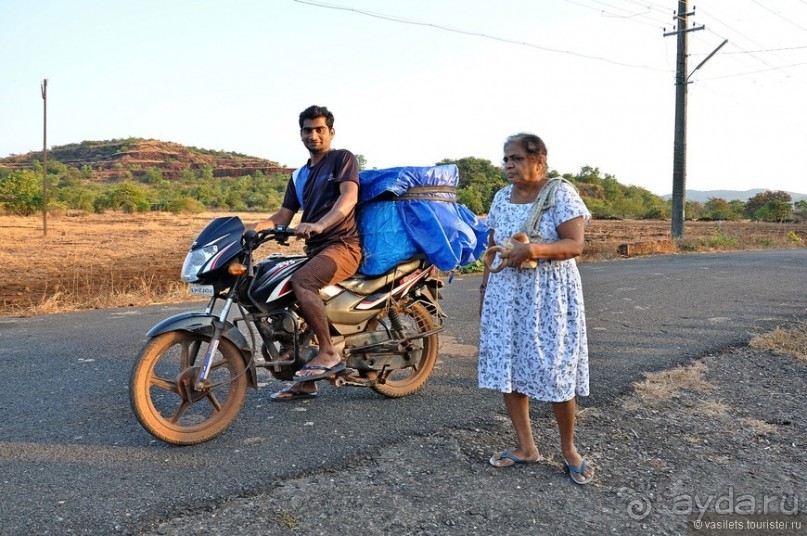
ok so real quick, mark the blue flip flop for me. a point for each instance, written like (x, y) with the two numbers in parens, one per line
(579, 471)
(507, 455)
(339, 367)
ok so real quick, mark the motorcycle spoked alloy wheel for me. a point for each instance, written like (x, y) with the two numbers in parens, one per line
(161, 389)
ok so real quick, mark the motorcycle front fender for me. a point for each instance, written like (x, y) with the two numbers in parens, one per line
(202, 323)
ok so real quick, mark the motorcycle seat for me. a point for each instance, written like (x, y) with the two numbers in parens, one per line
(365, 285)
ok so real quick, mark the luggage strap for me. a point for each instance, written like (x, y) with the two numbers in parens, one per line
(429, 193)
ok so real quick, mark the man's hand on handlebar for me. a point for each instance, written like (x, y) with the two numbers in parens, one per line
(307, 230)
(259, 226)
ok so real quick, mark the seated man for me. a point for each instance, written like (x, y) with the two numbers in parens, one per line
(326, 188)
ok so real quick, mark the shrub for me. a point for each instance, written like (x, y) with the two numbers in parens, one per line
(474, 267)
(21, 193)
(185, 205)
(721, 240)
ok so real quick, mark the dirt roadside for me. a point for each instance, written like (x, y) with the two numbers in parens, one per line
(100, 261)
(725, 435)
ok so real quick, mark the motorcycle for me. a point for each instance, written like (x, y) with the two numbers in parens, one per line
(190, 380)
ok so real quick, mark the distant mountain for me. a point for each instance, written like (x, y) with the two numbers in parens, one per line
(729, 195)
(110, 160)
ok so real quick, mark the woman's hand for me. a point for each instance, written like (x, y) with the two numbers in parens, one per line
(517, 255)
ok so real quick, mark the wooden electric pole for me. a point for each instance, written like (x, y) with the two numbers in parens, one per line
(44, 89)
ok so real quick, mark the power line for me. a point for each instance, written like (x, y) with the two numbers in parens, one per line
(780, 15)
(740, 59)
(759, 71)
(763, 50)
(660, 8)
(630, 17)
(752, 54)
(737, 32)
(475, 34)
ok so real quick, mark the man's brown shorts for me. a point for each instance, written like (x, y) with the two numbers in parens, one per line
(331, 265)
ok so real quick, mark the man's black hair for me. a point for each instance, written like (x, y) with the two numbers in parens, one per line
(312, 112)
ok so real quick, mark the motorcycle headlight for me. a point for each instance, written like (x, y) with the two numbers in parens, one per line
(195, 260)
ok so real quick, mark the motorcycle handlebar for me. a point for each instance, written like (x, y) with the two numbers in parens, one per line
(281, 233)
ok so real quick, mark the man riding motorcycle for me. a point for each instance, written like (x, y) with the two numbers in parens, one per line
(326, 188)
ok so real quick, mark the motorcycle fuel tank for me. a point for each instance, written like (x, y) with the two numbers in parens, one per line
(271, 288)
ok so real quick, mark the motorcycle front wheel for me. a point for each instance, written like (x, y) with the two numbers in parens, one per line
(161, 388)
(406, 381)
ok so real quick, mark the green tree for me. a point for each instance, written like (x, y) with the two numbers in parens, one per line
(737, 208)
(693, 210)
(362, 162)
(780, 210)
(126, 196)
(769, 206)
(717, 208)
(184, 205)
(21, 193)
(153, 176)
(800, 210)
(605, 197)
(77, 198)
(588, 174)
(479, 180)
(207, 173)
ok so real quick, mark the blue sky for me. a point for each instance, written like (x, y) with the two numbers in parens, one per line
(593, 78)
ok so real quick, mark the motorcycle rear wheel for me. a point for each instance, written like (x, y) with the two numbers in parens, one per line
(156, 393)
(407, 381)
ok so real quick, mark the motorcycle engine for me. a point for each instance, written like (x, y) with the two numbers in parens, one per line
(283, 334)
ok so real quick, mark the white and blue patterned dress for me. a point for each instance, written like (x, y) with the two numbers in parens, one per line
(532, 336)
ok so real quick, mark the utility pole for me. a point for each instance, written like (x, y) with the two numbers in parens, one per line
(44, 89)
(680, 144)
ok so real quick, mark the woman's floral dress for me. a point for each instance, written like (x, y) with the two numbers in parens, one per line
(532, 336)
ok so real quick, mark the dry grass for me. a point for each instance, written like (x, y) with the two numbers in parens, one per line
(713, 409)
(792, 341)
(93, 261)
(660, 386)
(104, 293)
(758, 427)
(605, 237)
(114, 259)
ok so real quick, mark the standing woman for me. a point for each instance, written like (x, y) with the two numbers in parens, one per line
(533, 331)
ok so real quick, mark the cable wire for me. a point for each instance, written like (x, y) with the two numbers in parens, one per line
(475, 34)
(802, 28)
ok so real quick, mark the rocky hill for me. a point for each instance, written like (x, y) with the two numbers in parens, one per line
(110, 160)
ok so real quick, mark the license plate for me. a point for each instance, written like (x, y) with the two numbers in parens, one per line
(201, 290)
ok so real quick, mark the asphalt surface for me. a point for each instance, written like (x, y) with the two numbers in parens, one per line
(73, 460)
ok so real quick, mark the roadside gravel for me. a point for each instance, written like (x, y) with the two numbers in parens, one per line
(729, 437)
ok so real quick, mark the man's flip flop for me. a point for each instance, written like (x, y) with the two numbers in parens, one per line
(339, 367)
(506, 458)
(583, 479)
(287, 395)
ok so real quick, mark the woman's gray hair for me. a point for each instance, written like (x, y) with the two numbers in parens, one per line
(531, 143)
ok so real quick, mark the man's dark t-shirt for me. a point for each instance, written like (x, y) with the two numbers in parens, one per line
(319, 188)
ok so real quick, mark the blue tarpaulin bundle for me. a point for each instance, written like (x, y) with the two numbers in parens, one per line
(404, 211)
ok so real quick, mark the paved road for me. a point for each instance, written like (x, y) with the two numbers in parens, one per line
(74, 460)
